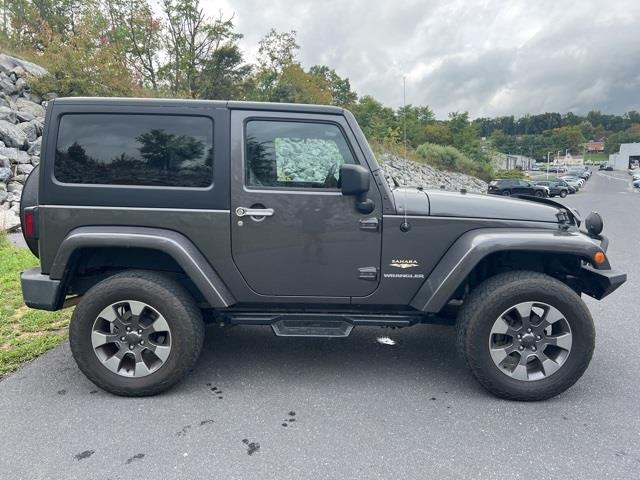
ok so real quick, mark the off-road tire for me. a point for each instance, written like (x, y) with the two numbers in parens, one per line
(493, 297)
(167, 297)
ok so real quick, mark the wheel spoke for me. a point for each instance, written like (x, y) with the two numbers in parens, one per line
(524, 310)
(159, 325)
(160, 351)
(109, 314)
(549, 367)
(113, 363)
(563, 341)
(501, 327)
(100, 338)
(136, 307)
(520, 372)
(551, 316)
(499, 354)
(141, 368)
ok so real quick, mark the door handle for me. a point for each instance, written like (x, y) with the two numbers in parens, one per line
(254, 212)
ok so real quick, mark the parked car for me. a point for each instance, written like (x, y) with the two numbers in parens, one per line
(607, 168)
(511, 186)
(240, 232)
(636, 176)
(636, 183)
(555, 187)
(571, 188)
(572, 179)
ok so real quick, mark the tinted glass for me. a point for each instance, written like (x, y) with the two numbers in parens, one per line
(294, 154)
(160, 150)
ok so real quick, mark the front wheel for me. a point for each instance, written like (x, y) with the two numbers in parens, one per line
(136, 333)
(506, 193)
(563, 193)
(525, 335)
(539, 194)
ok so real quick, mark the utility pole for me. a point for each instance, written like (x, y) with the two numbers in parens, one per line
(404, 112)
(548, 165)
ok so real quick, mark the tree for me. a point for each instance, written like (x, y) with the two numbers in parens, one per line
(191, 41)
(338, 88)
(374, 118)
(437, 133)
(224, 75)
(276, 52)
(137, 33)
(416, 120)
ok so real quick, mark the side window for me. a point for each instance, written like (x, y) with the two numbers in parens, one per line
(294, 154)
(144, 150)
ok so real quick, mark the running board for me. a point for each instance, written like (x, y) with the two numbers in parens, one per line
(311, 328)
(338, 325)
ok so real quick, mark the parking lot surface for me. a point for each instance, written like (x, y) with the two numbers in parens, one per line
(259, 406)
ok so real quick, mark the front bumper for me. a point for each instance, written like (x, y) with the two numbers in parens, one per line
(600, 283)
(40, 291)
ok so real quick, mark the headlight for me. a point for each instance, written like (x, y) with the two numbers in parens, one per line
(594, 223)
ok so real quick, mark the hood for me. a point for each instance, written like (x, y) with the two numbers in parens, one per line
(413, 201)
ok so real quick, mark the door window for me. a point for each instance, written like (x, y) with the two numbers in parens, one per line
(294, 154)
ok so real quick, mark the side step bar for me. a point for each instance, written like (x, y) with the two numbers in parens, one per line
(337, 325)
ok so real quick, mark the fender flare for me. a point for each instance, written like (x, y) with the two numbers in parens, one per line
(473, 246)
(174, 244)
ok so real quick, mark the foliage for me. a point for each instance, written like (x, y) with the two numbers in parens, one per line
(630, 135)
(24, 333)
(519, 174)
(446, 157)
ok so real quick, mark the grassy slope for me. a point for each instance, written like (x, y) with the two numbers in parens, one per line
(24, 333)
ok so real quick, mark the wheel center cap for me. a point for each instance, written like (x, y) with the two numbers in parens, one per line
(529, 340)
(132, 338)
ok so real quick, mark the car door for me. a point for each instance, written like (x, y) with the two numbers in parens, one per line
(306, 239)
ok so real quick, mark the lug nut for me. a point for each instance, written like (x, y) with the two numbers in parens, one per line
(533, 348)
(519, 336)
(128, 329)
(130, 347)
(141, 342)
(539, 337)
(529, 330)
(122, 338)
(139, 330)
(521, 347)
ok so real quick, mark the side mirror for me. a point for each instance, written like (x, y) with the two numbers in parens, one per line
(355, 180)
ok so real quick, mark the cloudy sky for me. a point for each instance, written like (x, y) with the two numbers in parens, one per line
(489, 57)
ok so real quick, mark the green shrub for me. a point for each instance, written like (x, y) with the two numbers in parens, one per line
(519, 174)
(445, 157)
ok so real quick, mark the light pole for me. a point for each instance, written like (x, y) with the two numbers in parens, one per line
(548, 165)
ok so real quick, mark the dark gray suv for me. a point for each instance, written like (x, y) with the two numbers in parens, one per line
(156, 216)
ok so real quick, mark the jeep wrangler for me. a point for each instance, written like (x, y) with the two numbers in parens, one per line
(152, 216)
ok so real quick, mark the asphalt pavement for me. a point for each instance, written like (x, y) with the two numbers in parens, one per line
(257, 406)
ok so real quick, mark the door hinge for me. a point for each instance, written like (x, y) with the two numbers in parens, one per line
(368, 273)
(369, 224)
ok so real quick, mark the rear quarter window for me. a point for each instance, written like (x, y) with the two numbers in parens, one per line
(132, 149)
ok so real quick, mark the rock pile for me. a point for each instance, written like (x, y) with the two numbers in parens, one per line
(21, 124)
(413, 174)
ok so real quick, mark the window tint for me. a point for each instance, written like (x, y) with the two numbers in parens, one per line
(162, 150)
(294, 154)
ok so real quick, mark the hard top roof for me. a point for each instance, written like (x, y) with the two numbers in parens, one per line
(234, 105)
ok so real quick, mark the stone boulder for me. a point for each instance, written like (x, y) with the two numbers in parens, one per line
(12, 136)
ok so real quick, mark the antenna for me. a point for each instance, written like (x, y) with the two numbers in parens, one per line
(404, 112)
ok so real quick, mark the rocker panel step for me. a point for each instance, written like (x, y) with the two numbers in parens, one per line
(291, 327)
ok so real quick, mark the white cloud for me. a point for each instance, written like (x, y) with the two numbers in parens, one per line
(489, 57)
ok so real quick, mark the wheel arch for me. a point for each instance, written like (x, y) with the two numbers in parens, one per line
(165, 250)
(477, 248)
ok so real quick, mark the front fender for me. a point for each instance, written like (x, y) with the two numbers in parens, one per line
(174, 244)
(473, 246)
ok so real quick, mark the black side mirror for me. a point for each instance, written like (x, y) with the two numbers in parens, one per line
(355, 180)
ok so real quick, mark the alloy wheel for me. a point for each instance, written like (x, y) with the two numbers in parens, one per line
(131, 338)
(530, 341)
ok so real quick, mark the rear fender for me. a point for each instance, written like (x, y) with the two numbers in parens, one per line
(177, 246)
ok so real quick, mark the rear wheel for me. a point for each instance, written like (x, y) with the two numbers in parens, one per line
(539, 193)
(525, 335)
(136, 333)
(506, 193)
(563, 193)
